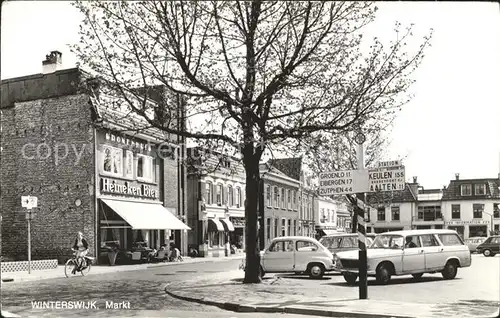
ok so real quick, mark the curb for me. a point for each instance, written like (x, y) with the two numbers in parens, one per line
(282, 310)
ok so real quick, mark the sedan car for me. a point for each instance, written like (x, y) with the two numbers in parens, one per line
(473, 242)
(341, 242)
(295, 254)
(412, 252)
(490, 247)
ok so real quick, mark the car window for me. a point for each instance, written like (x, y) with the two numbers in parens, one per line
(330, 242)
(495, 240)
(412, 241)
(348, 242)
(281, 246)
(429, 240)
(450, 239)
(305, 246)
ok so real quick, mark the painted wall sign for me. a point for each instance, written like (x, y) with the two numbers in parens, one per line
(473, 222)
(128, 141)
(127, 188)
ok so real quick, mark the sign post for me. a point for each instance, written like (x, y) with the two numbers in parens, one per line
(29, 203)
(361, 225)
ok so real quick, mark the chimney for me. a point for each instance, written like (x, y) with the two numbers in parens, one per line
(52, 63)
(457, 176)
(414, 179)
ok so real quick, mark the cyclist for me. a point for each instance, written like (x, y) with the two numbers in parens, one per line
(81, 249)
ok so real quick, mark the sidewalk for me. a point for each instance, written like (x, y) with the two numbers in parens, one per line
(274, 294)
(12, 277)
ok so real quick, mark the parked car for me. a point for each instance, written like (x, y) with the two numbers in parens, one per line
(490, 247)
(340, 242)
(412, 252)
(473, 242)
(295, 254)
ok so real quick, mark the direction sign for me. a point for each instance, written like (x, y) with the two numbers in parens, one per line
(343, 182)
(29, 201)
(386, 179)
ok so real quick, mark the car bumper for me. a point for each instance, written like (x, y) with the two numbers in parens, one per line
(354, 271)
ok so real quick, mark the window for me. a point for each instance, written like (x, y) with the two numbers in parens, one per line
(496, 210)
(450, 239)
(214, 239)
(230, 196)
(479, 189)
(276, 222)
(294, 227)
(129, 164)
(455, 211)
(281, 246)
(381, 213)
(429, 240)
(294, 200)
(495, 240)
(208, 188)
(276, 196)
(283, 227)
(304, 246)
(238, 197)
(429, 213)
(478, 210)
(395, 213)
(289, 227)
(145, 168)
(268, 195)
(289, 199)
(412, 242)
(349, 242)
(282, 205)
(112, 161)
(218, 194)
(466, 189)
(268, 228)
(330, 242)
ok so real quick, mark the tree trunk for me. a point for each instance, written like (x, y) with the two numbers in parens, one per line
(252, 268)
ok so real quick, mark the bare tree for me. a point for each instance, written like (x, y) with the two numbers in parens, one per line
(254, 75)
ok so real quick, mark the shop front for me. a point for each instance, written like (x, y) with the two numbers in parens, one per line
(473, 228)
(237, 238)
(217, 233)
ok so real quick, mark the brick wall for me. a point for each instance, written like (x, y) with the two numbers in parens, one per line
(47, 124)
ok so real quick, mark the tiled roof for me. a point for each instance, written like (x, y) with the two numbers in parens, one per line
(453, 192)
(388, 197)
(292, 167)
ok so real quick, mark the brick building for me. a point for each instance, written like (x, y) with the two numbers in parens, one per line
(90, 169)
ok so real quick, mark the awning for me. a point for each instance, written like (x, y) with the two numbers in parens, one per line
(228, 225)
(146, 216)
(215, 225)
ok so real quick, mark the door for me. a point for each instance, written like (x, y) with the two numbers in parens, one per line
(433, 251)
(413, 255)
(279, 257)
(305, 252)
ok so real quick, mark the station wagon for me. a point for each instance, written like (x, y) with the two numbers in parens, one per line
(413, 252)
(295, 254)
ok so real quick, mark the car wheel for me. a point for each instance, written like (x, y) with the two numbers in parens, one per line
(449, 271)
(417, 276)
(350, 278)
(487, 253)
(316, 271)
(383, 275)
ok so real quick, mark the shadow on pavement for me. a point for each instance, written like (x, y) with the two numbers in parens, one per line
(394, 281)
(303, 277)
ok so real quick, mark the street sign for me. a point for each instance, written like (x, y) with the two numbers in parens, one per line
(29, 202)
(386, 179)
(343, 182)
(389, 164)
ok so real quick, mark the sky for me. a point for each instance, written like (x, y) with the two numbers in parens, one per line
(452, 125)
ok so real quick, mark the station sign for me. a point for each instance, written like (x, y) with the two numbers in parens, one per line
(389, 164)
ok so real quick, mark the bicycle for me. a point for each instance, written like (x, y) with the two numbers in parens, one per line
(72, 263)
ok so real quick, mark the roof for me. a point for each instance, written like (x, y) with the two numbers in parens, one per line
(308, 238)
(453, 192)
(399, 196)
(292, 167)
(420, 232)
(265, 168)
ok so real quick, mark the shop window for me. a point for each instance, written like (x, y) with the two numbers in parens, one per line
(145, 168)
(381, 213)
(395, 213)
(455, 211)
(218, 194)
(477, 210)
(479, 189)
(466, 189)
(208, 187)
(230, 196)
(112, 161)
(214, 239)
